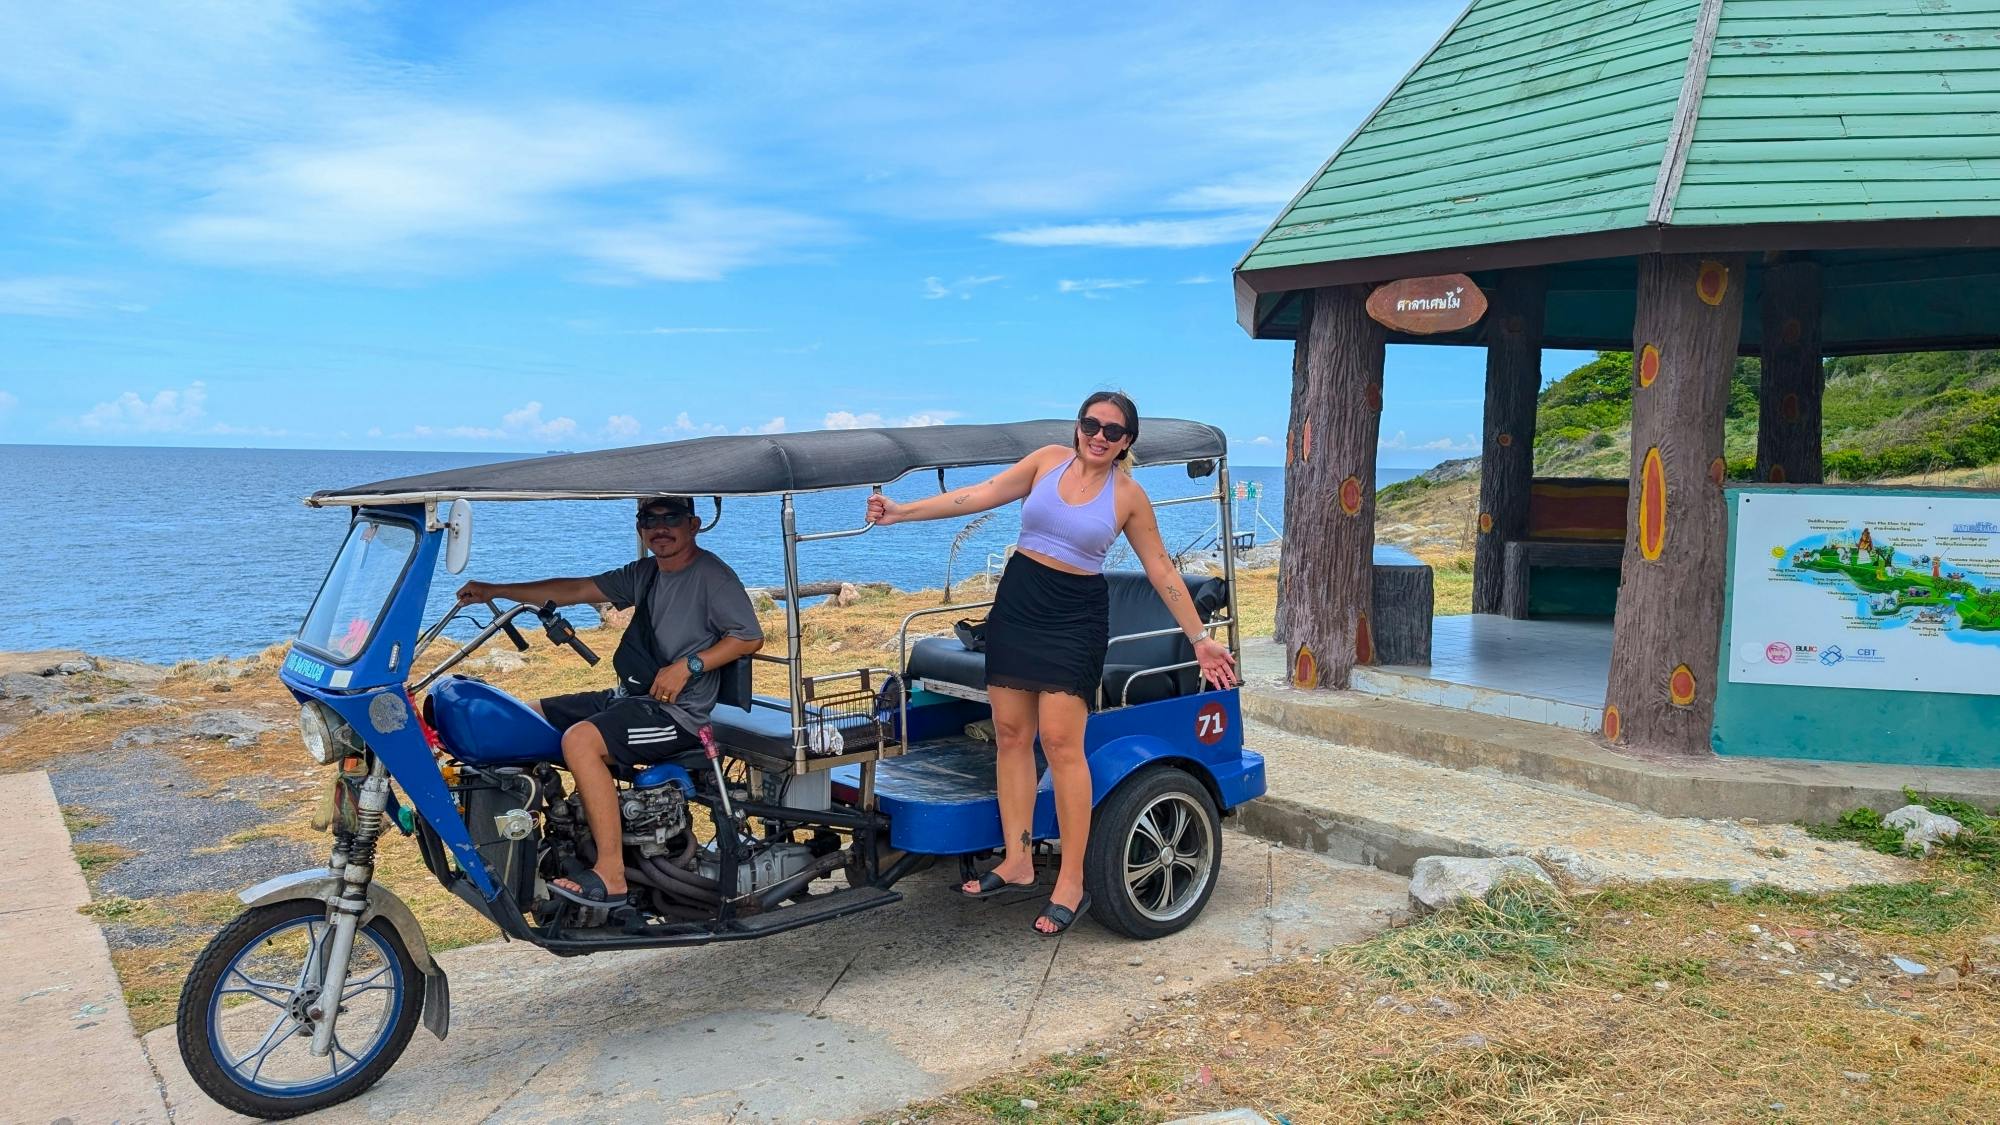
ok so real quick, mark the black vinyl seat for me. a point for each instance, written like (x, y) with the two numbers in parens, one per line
(1135, 607)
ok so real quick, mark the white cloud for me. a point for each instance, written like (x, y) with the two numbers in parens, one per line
(528, 420)
(621, 425)
(1401, 441)
(1197, 279)
(774, 426)
(1262, 439)
(516, 425)
(56, 296)
(167, 412)
(7, 403)
(1098, 286)
(871, 420)
(699, 241)
(936, 290)
(699, 331)
(1268, 192)
(1164, 233)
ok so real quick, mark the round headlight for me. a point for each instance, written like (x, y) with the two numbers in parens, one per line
(317, 736)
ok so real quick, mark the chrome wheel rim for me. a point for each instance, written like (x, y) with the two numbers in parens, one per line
(266, 1007)
(1169, 855)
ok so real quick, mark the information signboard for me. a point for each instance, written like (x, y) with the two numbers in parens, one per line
(1888, 592)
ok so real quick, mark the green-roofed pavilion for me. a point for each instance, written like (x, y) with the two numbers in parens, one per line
(1579, 135)
(1692, 180)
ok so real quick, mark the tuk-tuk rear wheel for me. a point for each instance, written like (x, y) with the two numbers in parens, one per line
(1155, 851)
(218, 976)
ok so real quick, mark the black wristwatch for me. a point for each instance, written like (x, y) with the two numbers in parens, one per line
(695, 666)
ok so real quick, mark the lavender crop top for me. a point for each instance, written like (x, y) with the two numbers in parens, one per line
(1078, 534)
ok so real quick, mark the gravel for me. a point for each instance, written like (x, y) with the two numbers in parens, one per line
(149, 803)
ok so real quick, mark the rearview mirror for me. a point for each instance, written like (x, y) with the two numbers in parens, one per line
(457, 535)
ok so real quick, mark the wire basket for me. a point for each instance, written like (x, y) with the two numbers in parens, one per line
(845, 713)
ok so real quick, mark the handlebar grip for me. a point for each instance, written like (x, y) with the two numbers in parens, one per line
(582, 649)
(513, 634)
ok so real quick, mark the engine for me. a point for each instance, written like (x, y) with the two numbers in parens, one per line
(653, 816)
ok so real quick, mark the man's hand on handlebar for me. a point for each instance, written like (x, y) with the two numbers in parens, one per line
(473, 593)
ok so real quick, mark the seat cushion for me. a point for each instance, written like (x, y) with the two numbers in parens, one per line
(943, 658)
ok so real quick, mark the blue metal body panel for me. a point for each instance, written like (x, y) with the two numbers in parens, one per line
(487, 727)
(375, 704)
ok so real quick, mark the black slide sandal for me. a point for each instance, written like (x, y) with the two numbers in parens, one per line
(1062, 916)
(593, 894)
(991, 885)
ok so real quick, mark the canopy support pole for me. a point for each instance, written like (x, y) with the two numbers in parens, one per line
(1513, 333)
(1669, 624)
(1789, 438)
(794, 638)
(1326, 574)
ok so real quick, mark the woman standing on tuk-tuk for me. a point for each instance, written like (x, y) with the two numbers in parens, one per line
(1049, 625)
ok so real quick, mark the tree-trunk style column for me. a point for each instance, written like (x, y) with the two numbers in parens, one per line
(1507, 450)
(1669, 622)
(1794, 380)
(1326, 567)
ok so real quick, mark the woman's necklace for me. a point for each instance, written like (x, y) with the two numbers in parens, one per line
(1086, 486)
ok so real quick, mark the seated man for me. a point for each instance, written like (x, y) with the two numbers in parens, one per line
(692, 617)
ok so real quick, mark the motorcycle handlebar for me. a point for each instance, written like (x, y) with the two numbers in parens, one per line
(563, 633)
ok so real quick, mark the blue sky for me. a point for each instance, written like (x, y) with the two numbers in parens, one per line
(524, 226)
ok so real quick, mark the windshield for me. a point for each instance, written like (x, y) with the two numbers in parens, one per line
(358, 588)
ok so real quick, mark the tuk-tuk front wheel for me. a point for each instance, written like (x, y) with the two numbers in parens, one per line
(252, 1002)
(1155, 850)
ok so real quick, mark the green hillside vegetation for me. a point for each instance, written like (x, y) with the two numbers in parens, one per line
(1893, 415)
(1884, 416)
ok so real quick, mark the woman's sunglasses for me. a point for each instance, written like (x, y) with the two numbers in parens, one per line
(1113, 432)
(671, 520)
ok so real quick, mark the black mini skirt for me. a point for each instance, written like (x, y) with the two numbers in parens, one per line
(1047, 630)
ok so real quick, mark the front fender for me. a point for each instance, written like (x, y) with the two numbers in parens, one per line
(324, 886)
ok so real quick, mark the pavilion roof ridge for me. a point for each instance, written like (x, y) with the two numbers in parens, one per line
(1687, 111)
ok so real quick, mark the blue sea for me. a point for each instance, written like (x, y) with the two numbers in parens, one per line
(166, 554)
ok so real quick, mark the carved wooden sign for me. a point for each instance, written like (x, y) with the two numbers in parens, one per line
(1422, 306)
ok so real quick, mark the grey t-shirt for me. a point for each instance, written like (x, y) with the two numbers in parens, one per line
(693, 608)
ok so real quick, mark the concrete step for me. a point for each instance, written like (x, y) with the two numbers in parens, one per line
(1388, 811)
(1765, 789)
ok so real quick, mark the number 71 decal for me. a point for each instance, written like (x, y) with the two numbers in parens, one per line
(1210, 724)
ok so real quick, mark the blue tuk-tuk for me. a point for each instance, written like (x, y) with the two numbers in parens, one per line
(798, 810)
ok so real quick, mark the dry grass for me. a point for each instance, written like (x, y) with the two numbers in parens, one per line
(1545, 1009)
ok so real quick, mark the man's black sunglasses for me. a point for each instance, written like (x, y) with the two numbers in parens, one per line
(670, 520)
(1112, 431)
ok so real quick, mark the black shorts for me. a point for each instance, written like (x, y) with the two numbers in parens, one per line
(639, 731)
(1047, 630)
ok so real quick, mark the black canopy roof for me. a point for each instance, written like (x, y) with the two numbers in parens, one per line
(764, 464)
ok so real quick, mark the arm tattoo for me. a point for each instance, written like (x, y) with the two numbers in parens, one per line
(962, 498)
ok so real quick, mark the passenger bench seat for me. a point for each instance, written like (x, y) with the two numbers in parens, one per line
(1135, 607)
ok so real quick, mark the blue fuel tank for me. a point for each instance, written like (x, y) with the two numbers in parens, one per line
(485, 726)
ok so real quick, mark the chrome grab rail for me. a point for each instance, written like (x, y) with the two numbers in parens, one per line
(817, 536)
(903, 660)
(1125, 693)
(1205, 498)
(1214, 623)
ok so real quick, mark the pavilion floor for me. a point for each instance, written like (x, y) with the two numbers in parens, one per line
(1543, 671)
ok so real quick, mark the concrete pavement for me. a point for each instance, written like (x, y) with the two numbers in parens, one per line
(833, 1022)
(67, 1050)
